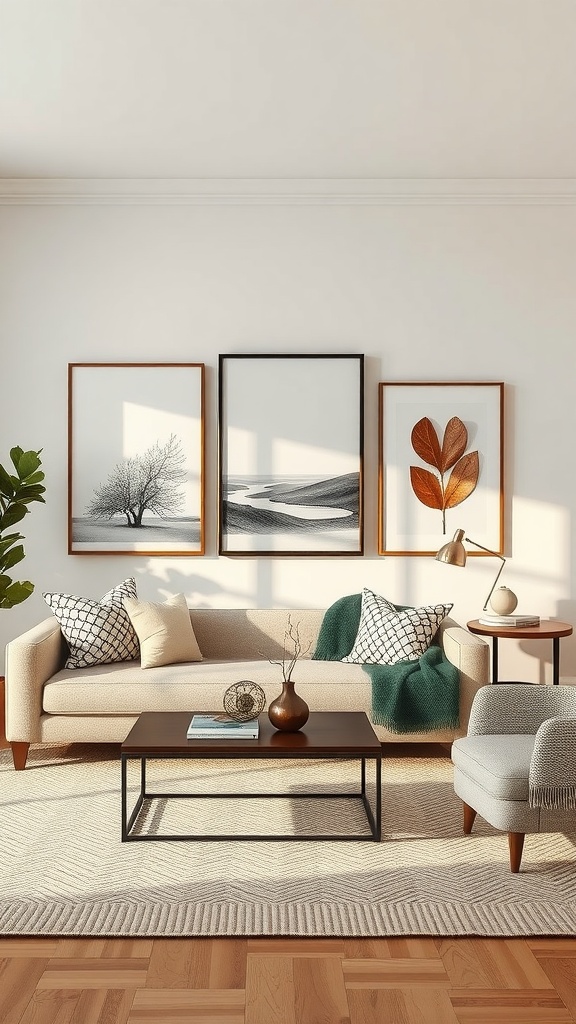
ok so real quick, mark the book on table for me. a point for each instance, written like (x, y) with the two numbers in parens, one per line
(510, 620)
(221, 727)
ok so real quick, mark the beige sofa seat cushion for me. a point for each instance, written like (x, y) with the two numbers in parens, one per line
(127, 689)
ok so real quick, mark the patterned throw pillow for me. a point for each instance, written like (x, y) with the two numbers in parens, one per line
(386, 636)
(97, 632)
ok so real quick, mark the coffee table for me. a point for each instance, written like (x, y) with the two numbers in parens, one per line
(333, 735)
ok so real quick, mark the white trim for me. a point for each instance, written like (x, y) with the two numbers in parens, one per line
(288, 191)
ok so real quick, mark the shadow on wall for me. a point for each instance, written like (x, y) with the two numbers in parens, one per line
(203, 592)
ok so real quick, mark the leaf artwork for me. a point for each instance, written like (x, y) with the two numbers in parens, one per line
(435, 491)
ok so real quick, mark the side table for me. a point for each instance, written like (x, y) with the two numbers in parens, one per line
(549, 629)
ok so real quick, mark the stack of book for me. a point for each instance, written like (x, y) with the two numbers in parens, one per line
(507, 621)
(221, 727)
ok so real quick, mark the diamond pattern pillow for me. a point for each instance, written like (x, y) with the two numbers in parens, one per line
(386, 636)
(97, 632)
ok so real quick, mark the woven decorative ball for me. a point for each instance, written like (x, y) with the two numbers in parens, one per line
(244, 700)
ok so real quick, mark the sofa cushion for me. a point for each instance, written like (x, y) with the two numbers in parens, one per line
(387, 635)
(199, 686)
(97, 632)
(164, 631)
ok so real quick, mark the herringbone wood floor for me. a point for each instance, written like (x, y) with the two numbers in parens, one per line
(287, 981)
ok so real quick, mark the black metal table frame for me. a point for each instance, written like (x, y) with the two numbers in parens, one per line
(555, 659)
(128, 821)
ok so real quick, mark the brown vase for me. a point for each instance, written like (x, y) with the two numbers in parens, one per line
(288, 712)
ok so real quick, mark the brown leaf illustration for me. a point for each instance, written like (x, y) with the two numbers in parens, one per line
(426, 487)
(453, 444)
(462, 481)
(426, 444)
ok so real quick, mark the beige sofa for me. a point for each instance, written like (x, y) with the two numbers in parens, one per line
(46, 703)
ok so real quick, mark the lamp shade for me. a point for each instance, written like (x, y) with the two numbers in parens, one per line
(453, 553)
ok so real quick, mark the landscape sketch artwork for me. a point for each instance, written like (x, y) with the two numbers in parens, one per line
(291, 448)
(305, 505)
(140, 501)
(136, 458)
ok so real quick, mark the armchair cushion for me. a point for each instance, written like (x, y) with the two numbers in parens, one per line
(499, 764)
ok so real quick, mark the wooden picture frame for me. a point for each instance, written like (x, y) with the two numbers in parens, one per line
(440, 465)
(136, 459)
(291, 447)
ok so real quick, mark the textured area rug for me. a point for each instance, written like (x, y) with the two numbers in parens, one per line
(64, 870)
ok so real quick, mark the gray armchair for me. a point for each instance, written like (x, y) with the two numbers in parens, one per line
(516, 767)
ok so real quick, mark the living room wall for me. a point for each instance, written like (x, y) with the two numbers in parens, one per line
(428, 291)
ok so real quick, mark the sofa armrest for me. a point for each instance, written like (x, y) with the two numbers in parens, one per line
(472, 659)
(31, 659)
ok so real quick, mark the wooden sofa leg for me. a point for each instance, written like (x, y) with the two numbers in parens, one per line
(19, 755)
(516, 845)
(469, 818)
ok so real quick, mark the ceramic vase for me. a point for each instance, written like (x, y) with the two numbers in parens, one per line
(288, 712)
(503, 601)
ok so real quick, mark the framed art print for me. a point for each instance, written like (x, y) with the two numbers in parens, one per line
(440, 466)
(291, 450)
(136, 458)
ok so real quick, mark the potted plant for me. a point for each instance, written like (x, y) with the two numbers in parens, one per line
(17, 491)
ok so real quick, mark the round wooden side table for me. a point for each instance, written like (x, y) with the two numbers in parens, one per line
(549, 629)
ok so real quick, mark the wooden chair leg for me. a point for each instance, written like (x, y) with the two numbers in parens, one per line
(516, 845)
(469, 818)
(19, 755)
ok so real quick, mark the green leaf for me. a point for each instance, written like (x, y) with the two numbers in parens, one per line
(26, 494)
(12, 557)
(13, 514)
(8, 540)
(15, 593)
(6, 485)
(28, 463)
(35, 478)
(16, 454)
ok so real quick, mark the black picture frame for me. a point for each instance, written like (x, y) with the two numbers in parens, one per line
(291, 453)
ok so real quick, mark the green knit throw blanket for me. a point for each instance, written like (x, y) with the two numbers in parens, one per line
(411, 696)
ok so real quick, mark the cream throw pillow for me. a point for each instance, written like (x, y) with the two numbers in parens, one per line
(164, 630)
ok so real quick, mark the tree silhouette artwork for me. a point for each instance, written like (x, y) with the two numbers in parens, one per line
(150, 482)
(435, 491)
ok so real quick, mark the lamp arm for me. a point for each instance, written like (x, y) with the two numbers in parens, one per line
(496, 555)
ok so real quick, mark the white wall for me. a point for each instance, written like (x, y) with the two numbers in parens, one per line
(287, 88)
(428, 292)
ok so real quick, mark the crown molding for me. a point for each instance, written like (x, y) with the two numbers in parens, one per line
(287, 191)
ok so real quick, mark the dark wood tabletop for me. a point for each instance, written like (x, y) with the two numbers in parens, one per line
(325, 732)
(548, 629)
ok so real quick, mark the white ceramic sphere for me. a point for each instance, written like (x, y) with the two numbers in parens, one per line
(503, 601)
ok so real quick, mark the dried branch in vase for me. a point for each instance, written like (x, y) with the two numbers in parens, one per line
(291, 638)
